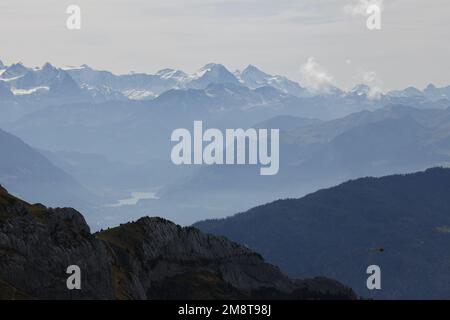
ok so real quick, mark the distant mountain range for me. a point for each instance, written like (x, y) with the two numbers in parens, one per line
(112, 133)
(316, 154)
(151, 258)
(87, 84)
(400, 223)
(103, 85)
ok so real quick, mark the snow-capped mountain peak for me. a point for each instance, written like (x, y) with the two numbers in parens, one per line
(213, 69)
(252, 71)
(167, 74)
(210, 73)
(254, 78)
(47, 72)
(15, 70)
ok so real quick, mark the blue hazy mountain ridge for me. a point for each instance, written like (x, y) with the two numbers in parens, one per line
(29, 174)
(133, 124)
(399, 222)
(125, 123)
(101, 127)
(213, 89)
(314, 154)
(84, 84)
(318, 154)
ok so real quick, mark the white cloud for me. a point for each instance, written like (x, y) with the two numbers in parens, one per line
(370, 79)
(315, 77)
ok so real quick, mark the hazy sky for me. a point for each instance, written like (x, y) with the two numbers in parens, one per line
(327, 38)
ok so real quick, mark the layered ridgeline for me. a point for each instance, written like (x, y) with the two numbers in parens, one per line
(26, 172)
(316, 154)
(399, 222)
(151, 258)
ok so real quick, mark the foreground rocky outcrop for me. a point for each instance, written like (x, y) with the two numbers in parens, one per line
(148, 259)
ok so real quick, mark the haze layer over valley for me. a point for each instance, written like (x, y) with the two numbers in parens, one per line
(103, 140)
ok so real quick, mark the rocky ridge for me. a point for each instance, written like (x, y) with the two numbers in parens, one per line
(151, 258)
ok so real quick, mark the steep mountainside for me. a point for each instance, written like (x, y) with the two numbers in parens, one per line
(400, 222)
(26, 172)
(149, 259)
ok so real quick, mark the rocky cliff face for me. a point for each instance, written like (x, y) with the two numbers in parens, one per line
(148, 259)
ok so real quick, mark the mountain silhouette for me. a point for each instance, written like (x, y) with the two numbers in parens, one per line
(400, 223)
